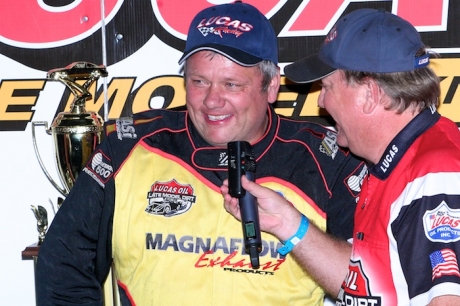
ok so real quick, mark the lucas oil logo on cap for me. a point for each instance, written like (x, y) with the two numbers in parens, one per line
(442, 224)
(169, 198)
(331, 35)
(223, 25)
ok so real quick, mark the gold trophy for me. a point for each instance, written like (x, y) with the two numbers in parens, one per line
(75, 136)
(75, 133)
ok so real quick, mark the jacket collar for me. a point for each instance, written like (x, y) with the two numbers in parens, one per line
(401, 143)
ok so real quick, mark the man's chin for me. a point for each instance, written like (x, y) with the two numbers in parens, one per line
(342, 141)
(218, 141)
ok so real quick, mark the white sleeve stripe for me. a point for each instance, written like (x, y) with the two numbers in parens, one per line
(428, 185)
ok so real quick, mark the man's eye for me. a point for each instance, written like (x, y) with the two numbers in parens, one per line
(232, 85)
(198, 82)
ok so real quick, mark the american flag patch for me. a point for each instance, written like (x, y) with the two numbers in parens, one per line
(444, 262)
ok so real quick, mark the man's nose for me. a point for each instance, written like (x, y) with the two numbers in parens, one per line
(214, 97)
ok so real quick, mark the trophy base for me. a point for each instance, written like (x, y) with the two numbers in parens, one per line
(31, 251)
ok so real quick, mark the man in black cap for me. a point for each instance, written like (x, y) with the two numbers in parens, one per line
(377, 86)
(149, 196)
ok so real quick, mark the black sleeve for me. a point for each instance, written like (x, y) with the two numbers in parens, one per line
(345, 189)
(426, 233)
(75, 257)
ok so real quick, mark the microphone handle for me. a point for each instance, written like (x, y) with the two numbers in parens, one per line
(250, 223)
(241, 162)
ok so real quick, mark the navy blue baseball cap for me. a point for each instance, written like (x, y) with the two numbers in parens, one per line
(236, 30)
(366, 40)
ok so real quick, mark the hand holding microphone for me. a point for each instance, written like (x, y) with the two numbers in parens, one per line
(242, 162)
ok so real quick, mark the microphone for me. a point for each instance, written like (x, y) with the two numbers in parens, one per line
(242, 162)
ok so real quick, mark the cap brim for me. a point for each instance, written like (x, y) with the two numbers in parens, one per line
(240, 57)
(308, 70)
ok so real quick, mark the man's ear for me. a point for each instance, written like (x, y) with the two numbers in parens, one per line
(273, 88)
(373, 95)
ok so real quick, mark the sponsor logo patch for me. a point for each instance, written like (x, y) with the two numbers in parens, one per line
(99, 168)
(355, 289)
(223, 25)
(331, 35)
(442, 224)
(223, 159)
(222, 252)
(329, 145)
(355, 182)
(125, 128)
(169, 198)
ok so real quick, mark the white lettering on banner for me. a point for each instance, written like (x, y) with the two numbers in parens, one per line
(307, 21)
(81, 21)
(312, 18)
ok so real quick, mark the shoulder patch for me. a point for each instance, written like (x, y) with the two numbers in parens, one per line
(329, 144)
(125, 128)
(444, 262)
(442, 224)
(99, 168)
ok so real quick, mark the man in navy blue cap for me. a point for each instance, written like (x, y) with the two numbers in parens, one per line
(378, 87)
(149, 201)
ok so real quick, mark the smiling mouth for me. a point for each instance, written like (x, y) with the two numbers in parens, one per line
(218, 118)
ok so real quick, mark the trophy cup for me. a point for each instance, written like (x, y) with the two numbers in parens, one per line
(75, 133)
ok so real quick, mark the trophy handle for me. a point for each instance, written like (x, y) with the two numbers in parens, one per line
(37, 154)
